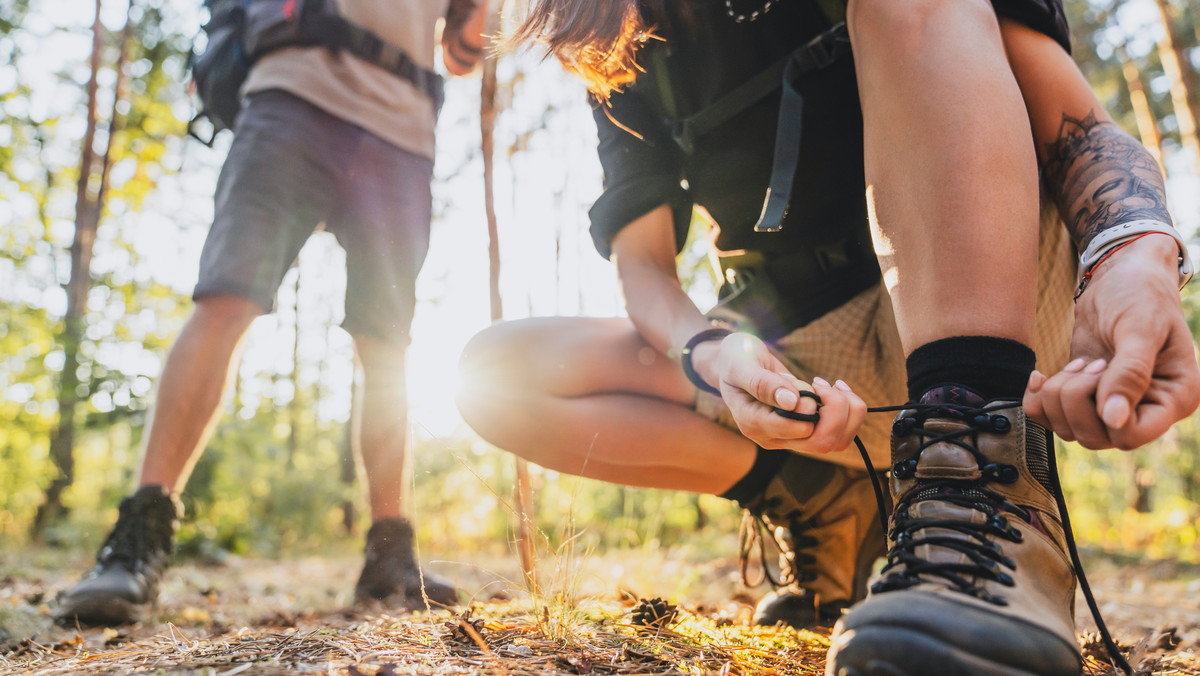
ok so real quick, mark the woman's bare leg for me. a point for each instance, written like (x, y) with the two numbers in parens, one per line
(952, 177)
(589, 397)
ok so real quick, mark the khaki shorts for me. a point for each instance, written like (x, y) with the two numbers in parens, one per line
(859, 344)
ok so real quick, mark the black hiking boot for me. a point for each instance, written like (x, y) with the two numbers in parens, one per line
(390, 572)
(823, 519)
(979, 580)
(124, 581)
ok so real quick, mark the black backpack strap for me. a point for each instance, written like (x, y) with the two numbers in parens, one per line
(686, 130)
(819, 53)
(335, 32)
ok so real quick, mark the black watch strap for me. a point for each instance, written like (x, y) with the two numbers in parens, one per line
(715, 333)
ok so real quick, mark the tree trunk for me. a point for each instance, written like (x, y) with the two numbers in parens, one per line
(487, 126)
(701, 515)
(1147, 125)
(1144, 480)
(294, 410)
(1179, 70)
(88, 205)
(348, 464)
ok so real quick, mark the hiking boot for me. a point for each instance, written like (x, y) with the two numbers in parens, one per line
(390, 572)
(823, 519)
(978, 579)
(124, 581)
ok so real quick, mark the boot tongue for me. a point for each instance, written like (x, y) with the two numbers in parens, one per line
(948, 460)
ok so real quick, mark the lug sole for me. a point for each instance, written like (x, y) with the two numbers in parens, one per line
(102, 612)
(898, 651)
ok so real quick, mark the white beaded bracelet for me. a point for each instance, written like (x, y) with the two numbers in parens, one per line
(1108, 240)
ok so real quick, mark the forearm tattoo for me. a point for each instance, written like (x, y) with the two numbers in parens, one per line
(1101, 177)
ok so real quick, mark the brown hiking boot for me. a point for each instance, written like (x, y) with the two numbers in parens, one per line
(390, 572)
(823, 519)
(124, 581)
(978, 580)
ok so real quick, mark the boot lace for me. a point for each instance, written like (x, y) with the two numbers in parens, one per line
(797, 562)
(140, 534)
(984, 558)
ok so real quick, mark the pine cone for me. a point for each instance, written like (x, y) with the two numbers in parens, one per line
(458, 627)
(653, 612)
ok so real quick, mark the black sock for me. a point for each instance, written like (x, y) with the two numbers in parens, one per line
(766, 464)
(994, 368)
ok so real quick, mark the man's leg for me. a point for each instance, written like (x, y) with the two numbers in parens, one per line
(125, 579)
(590, 397)
(977, 581)
(195, 378)
(380, 431)
(381, 426)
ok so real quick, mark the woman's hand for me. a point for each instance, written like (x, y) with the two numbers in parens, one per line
(753, 383)
(1133, 372)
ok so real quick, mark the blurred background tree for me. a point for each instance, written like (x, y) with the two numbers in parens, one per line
(95, 163)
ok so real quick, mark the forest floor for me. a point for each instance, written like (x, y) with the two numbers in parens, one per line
(263, 617)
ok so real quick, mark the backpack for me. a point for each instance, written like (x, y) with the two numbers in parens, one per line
(239, 32)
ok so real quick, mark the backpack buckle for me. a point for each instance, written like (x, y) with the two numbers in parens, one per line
(823, 50)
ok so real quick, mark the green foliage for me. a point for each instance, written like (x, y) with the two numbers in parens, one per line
(1103, 33)
(28, 386)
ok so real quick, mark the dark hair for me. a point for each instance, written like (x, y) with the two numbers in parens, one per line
(595, 39)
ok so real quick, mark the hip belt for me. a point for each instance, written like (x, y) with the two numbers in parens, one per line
(779, 293)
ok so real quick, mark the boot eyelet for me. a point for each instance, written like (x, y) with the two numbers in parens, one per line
(1009, 474)
(904, 426)
(1001, 424)
(904, 469)
(1015, 535)
(1005, 579)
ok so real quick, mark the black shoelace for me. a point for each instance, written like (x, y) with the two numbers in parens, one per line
(986, 559)
(138, 535)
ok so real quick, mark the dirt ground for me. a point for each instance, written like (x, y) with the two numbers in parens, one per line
(260, 617)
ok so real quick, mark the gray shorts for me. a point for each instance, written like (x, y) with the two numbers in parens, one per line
(291, 167)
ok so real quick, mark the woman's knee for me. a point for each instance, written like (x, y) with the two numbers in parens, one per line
(561, 357)
(507, 357)
(496, 354)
